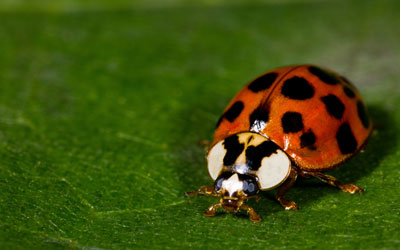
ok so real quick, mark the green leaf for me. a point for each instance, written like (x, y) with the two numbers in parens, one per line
(102, 109)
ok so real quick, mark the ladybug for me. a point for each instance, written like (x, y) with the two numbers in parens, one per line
(289, 122)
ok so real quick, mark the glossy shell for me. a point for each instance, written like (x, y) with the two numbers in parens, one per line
(315, 115)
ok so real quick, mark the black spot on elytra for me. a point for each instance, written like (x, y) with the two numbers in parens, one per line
(232, 113)
(348, 91)
(307, 140)
(333, 105)
(362, 113)
(292, 122)
(323, 75)
(258, 116)
(250, 139)
(255, 154)
(263, 82)
(297, 88)
(233, 149)
(346, 140)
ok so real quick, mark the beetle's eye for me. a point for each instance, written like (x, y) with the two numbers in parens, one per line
(218, 182)
(250, 186)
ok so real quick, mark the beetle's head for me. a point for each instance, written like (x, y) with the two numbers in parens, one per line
(234, 189)
(240, 165)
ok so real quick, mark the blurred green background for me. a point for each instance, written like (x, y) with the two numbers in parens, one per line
(103, 103)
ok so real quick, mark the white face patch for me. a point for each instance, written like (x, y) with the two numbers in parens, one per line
(232, 185)
(274, 170)
(216, 160)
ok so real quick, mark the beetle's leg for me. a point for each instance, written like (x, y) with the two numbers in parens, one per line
(211, 210)
(204, 190)
(287, 204)
(252, 213)
(351, 188)
(254, 197)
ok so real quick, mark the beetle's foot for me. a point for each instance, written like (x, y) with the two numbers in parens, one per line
(287, 204)
(351, 188)
(253, 216)
(211, 210)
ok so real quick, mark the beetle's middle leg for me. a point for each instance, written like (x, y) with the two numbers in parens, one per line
(351, 188)
(287, 204)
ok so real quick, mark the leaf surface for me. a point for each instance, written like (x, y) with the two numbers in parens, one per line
(102, 109)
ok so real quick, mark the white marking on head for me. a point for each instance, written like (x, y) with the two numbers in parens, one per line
(274, 170)
(232, 185)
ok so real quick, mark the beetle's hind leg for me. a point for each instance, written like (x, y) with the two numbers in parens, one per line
(287, 204)
(350, 188)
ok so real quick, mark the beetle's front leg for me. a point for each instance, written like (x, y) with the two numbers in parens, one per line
(287, 204)
(252, 213)
(351, 188)
(211, 210)
(204, 190)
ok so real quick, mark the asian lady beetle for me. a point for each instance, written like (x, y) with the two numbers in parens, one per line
(297, 120)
